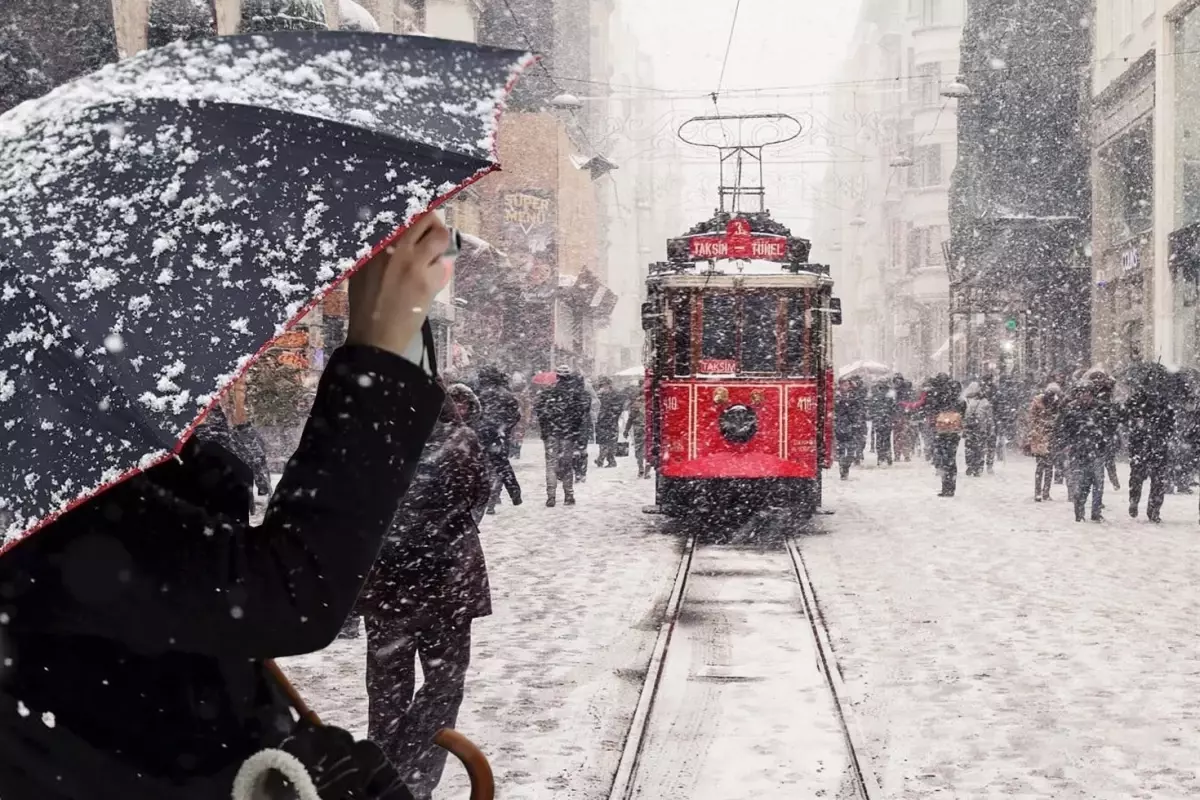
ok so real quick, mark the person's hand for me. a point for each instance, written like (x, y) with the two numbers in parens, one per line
(391, 294)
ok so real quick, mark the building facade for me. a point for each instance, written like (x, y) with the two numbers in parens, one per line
(882, 212)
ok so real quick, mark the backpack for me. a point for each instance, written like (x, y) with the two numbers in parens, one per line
(948, 422)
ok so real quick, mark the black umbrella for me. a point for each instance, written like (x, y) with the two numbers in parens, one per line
(163, 219)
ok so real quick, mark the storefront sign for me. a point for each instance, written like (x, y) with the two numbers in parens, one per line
(1131, 259)
(528, 233)
(292, 340)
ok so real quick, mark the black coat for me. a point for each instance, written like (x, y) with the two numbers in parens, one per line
(500, 416)
(431, 569)
(140, 620)
(1086, 430)
(1150, 422)
(564, 410)
(608, 421)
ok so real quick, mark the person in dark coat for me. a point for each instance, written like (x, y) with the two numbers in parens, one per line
(579, 422)
(860, 397)
(137, 624)
(1150, 421)
(1084, 428)
(945, 408)
(608, 422)
(883, 418)
(845, 427)
(501, 414)
(635, 430)
(556, 408)
(427, 586)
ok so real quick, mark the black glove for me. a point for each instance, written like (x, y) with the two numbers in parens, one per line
(343, 769)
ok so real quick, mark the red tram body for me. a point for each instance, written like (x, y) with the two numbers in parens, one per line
(739, 387)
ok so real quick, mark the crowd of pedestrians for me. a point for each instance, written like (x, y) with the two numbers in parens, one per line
(1075, 427)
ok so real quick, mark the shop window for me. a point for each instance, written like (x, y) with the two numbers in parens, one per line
(927, 167)
(929, 79)
(719, 335)
(760, 334)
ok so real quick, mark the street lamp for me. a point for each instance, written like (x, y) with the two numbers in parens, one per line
(858, 221)
(956, 90)
(901, 160)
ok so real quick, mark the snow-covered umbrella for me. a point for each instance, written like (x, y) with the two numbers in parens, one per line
(164, 219)
(865, 369)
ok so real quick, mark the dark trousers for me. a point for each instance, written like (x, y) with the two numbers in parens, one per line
(580, 461)
(560, 466)
(845, 457)
(1043, 475)
(883, 442)
(945, 458)
(1088, 477)
(403, 721)
(503, 476)
(976, 450)
(1139, 472)
(608, 455)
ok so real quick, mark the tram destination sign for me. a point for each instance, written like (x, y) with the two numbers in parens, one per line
(738, 242)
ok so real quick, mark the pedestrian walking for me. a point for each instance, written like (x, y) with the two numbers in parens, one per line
(845, 428)
(499, 417)
(426, 588)
(1150, 421)
(1084, 426)
(608, 422)
(635, 430)
(944, 405)
(1042, 433)
(979, 429)
(883, 410)
(557, 411)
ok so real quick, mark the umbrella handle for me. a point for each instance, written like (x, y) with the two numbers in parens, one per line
(483, 783)
(293, 696)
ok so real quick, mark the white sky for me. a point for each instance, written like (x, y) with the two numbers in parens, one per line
(776, 43)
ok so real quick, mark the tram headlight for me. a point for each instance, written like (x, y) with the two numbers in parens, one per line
(738, 424)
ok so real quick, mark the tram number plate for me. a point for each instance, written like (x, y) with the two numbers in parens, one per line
(672, 403)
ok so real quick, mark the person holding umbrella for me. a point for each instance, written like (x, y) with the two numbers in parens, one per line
(140, 610)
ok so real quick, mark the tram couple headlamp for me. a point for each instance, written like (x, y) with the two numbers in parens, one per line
(738, 424)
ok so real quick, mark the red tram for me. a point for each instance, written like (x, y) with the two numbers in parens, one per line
(739, 382)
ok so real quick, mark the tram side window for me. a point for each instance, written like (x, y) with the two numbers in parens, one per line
(681, 312)
(719, 340)
(760, 335)
(796, 355)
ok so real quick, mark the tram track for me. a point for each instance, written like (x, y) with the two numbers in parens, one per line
(857, 782)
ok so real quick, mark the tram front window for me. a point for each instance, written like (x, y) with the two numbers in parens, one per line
(760, 335)
(719, 339)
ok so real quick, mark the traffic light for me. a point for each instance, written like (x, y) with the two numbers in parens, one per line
(1011, 323)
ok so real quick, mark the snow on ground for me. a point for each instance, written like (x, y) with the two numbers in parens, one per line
(556, 671)
(996, 648)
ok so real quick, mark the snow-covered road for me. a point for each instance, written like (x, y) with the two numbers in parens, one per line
(990, 646)
(996, 648)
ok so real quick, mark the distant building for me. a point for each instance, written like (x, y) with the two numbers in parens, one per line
(883, 207)
(1020, 205)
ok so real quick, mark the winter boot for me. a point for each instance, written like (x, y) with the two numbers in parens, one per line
(516, 499)
(1133, 510)
(550, 501)
(569, 499)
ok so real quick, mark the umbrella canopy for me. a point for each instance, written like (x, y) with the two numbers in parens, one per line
(545, 379)
(165, 218)
(633, 372)
(866, 369)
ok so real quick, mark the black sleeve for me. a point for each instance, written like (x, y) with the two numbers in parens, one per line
(216, 586)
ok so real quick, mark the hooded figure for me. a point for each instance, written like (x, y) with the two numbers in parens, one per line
(558, 409)
(427, 586)
(497, 425)
(138, 623)
(979, 427)
(1084, 428)
(608, 422)
(1150, 421)
(1043, 424)
(944, 406)
(883, 409)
